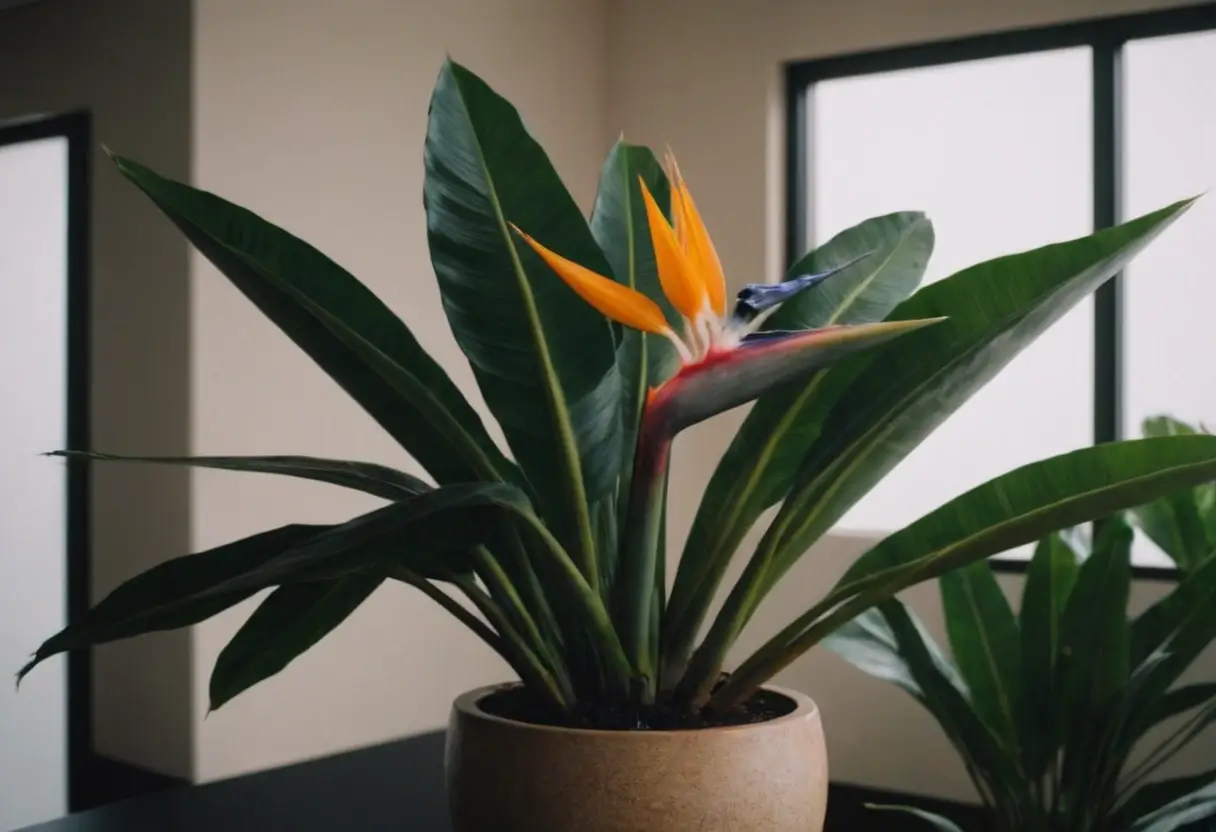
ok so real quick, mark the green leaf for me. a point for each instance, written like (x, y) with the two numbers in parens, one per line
(898, 246)
(1049, 580)
(758, 467)
(325, 311)
(1182, 524)
(1153, 796)
(1190, 601)
(1009, 511)
(1175, 525)
(1180, 700)
(430, 534)
(883, 410)
(378, 480)
(868, 643)
(619, 226)
(986, 644)
(980, 748)
(162, 598)
(1176, 629)
(1195, 806)
(544, 359)
(910, 388)
(290, 621)
(936, 821)
(1093, 661)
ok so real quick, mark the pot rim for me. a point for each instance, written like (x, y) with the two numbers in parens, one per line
(468, 705)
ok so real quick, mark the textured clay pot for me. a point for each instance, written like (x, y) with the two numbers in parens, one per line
(508, 776)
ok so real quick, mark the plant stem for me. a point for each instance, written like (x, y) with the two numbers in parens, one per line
(780, 651)
(444, 600)
(508, 599)
(707, 662)
(587, 604)
(637, 592)
(529, 666)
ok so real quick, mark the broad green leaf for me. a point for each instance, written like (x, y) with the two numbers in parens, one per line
(898, 247)
(1155, 426)
(1204, 496)
(430, 534)
(986, 645)
(1049, 580)
(1178, 627)
(1093, 668)
(868, 643)
(324, 310)
(1180, 700)
(378, 480)
(1175, 525)
(1177, 814)
(760, 463)
(936, 821)
(544, 359)
(1192, 600)
(619, 226)
(883, 410)
(910, 388)
(1151, 797)
(950, 707)
(1009, 511)
(292, 619)
(163, 598)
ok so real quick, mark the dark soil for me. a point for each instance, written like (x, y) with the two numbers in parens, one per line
(519, 704)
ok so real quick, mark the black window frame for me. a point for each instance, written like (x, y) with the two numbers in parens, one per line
(76, 128)
(1106, 38)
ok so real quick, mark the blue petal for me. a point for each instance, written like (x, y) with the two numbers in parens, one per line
(755, 298)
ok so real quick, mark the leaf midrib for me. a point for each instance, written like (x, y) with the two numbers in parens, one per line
(994, 668)
(553, 391)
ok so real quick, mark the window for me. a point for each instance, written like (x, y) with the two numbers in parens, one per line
(1009, 142)
(1170, 153)
(43, 507)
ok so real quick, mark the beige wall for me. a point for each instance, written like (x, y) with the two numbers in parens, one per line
(129, 62)
(706, 78)
(313, 113)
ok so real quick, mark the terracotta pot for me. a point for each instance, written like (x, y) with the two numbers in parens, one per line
(508, 776)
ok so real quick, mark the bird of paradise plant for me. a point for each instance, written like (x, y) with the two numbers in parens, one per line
(593, 345)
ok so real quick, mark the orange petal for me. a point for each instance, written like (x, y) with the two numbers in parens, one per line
(618, 302)
(680, 282)
(678, 222)
(698, 246)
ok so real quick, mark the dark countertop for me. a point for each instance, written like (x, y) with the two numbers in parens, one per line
(394, 787)
(397, 786)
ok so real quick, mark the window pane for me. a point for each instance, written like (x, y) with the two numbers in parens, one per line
(998, 153)
(1170, 294)
(33, 490)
